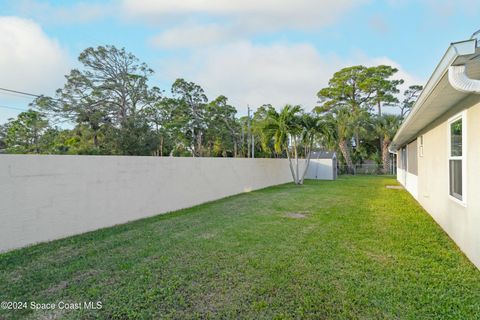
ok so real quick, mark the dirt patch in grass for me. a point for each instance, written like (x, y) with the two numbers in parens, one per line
(206, 235)
(296, 215)
(65, 284)
(395, 187)
(383, 259)
(58, 287)
(49, 314)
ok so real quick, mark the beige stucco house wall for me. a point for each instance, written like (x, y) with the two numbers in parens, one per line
(423, 150)
(460, 221)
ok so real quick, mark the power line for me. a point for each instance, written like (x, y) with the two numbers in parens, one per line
(16, 95)
(21, 92)
(25, 94)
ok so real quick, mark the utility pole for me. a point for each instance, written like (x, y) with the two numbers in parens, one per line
(253, 146)
(248, 131)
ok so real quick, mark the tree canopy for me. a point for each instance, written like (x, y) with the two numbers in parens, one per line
(109, 105)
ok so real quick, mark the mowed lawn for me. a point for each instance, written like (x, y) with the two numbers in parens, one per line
(345, 249)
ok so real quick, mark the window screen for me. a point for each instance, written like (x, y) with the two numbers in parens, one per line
(456, 161)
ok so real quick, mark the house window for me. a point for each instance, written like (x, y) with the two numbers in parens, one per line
(412, 157)
(456, 159)
(402, 162)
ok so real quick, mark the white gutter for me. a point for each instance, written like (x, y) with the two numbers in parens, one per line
(458, 78)
(455, 50)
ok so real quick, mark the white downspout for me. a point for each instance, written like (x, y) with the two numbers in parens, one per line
(458, 78)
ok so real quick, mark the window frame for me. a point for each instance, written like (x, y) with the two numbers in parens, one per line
(420, 146)
(460, 116)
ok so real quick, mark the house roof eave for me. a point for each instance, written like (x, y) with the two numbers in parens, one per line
(426, 110)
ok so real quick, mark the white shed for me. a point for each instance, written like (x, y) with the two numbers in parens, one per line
(323, 166)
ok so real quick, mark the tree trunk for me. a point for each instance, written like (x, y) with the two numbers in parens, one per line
(161, 146)
(35, 141)
(242, 140)
(306, 166)
(346, 155)
(194, 142)
(357, 139)
(291, 166)
(379, 106)
(123, 108)
(381, 152)
(198, 147)
(385, 156)
(296, 160)
(95, 138)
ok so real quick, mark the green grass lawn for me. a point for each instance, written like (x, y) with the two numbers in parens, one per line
(345, 249)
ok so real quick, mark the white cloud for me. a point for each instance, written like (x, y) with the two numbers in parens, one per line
(258, 74)
(269, 14)
(29, 61)
(75, 13)
(442, 8)
(446, 8)
(192, 36)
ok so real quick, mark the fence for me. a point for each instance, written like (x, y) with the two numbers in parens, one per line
(366, 169)
(49, 197)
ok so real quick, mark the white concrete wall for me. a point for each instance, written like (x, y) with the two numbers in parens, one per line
(320, 169)
(50, 197)
(461, 222)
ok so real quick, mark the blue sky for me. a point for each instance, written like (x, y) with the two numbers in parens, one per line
(254, 52)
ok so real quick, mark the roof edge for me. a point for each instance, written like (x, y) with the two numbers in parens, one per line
(455, 50)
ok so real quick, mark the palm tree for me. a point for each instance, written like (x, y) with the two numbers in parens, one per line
(338, 130)
(312, 130)
(386, 126)
(258, 123)
(285, 129)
